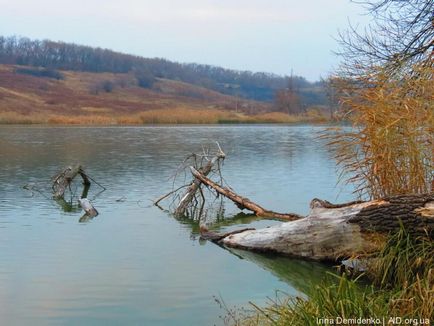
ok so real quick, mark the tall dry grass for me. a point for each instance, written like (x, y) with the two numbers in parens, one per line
(180, 115)
(9, 117)
(390, 150)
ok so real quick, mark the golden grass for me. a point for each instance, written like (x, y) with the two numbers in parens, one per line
(390, 151)
(275, 117)
(18, 118)
(27, 99)
(96, 110)
(181, 115)
(317, 114)
(81, 120)
(27, 96)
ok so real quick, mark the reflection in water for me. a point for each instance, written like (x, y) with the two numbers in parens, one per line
(69, 206)
(86, 218)
(72, 205)
(137, 265)
(237, 219)
(219, 223)
(300, 274)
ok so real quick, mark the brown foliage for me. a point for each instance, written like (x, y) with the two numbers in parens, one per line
(390, 149)
(29, 99)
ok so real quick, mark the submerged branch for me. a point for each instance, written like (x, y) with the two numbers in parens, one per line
(242, 202)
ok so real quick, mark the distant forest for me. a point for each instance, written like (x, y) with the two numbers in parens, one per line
(67, 56)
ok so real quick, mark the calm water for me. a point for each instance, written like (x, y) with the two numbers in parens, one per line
(135, 264)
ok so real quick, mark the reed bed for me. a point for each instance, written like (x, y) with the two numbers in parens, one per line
(18, 118)
(91, 116)
(390, 150)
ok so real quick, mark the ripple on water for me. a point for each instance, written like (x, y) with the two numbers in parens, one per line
(134, 263)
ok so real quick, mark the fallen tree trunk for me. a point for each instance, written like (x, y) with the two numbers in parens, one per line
(332, 231)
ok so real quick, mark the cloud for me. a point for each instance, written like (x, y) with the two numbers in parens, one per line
(164, 11)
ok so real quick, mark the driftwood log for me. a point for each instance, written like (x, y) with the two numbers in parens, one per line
(242, 202)
(333, 233)
(330, 231)
(62, 181)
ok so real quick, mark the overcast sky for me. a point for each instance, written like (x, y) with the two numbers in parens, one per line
(258, 35)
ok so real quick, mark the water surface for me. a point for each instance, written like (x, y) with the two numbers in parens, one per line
(135, 264)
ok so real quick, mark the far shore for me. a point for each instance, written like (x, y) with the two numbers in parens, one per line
(181, 116)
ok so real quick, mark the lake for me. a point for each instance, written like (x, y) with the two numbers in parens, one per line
(135, 263)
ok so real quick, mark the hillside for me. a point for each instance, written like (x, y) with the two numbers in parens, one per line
(108, 98)
(258, 86)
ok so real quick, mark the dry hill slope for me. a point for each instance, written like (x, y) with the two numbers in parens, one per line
(107, 98)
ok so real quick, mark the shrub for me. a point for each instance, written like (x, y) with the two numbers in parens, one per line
(145, 78)
(107, 86)
(45, 72)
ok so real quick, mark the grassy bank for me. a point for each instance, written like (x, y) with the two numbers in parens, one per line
(161, 116)
(402, 285)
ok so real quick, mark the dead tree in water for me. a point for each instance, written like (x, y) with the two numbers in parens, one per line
(191, 202)
(210, 165)
(193, 199)
(330, 231)
(62, 181)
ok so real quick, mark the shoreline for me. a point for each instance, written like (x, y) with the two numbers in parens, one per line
(235, 124)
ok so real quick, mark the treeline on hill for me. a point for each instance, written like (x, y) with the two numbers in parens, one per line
(67, 56)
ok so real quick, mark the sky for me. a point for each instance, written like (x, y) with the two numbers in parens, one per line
(277, 36)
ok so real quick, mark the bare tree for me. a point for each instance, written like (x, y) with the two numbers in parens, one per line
(400, 35)
(287, 100)
(385, 86)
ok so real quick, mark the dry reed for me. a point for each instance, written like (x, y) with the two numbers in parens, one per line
(390, 149)
(180, 115)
